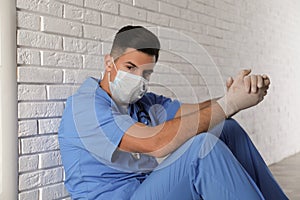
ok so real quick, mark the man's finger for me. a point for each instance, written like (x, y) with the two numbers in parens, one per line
(229, 82)
(266, 81)
(244, 72)
(253, 83)
(247, 83)
(260, 81)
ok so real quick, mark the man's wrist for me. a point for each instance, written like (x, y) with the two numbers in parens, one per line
(227, 106)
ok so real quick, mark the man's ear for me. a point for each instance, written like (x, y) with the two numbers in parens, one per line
(108, 62)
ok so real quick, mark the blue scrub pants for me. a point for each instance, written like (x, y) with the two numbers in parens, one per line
(222, 164)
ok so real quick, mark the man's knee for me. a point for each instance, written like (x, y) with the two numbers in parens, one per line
(233, 129)
(208, 142)
(230, 122)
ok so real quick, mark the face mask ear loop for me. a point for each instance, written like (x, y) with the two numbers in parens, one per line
(113, 62)
(114, 67)
(108, 76)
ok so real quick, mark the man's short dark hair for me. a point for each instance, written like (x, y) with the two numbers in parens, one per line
(136, 37)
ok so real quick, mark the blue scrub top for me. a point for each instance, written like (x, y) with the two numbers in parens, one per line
(91, 129)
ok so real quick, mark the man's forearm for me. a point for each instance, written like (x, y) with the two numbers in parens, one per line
(165, 138)
(177, 131)
(187, 109)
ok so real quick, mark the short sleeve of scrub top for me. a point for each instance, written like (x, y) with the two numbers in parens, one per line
(159, 108)
(99, 123)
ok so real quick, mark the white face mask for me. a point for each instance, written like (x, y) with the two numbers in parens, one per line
(127, 88)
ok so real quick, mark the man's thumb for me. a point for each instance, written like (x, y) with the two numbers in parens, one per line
(244, 73)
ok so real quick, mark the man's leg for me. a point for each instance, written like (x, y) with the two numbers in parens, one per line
(239, 143)
(187, 174)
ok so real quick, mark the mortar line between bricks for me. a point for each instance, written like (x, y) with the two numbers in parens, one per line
(106, 41)
(57, 68)
(36, 118)
(42, 169)
(43, 14)
(40, 187)
(61, 35)
(37, 136)
(47, 84)
(86, 23)
(36, 153)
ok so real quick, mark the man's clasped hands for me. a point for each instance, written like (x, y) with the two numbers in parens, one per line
(243, 91)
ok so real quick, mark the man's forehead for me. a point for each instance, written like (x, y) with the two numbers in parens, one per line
(137, 58)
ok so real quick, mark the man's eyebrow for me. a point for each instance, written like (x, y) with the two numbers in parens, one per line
(131, 63)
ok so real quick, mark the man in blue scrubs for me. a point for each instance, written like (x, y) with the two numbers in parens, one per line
(112, 131)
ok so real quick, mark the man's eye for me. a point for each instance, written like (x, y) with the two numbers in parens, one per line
(131, 68)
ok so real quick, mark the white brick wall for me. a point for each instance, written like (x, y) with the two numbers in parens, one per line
(61, 42)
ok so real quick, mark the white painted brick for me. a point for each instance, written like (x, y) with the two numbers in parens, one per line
(214, 32)
(220, 4)
(27, 128)
(179, 45)
(60, 92)
(205, 40)
(196, 6)
(57, 25)
(44, 6)
(39, 75)
(148, 5)
(29, 195)
(114, 21)
(132, 12)
(169, 57)
(39, 40)
(28, 163)
(28, 56)
(41, 109)
(207, 2)
(157, 18)
(82, 46)
(39, 178)
(81, 14)
(170, 33)
(39, 144)
(103, 5)
(68, 198)
(93, 62)
(189, 15)
(204, 19)
(169, 9)
(221, 14)
(92, 17)
(53, 192)
(73, 12)
(31, 92)
(49, 159)
(64, 60)
(48, 125)
(179, 23)
(75, 2)
(28, 21)
(180, 3)
(106, 47)
(78, 76)
(126, 1)
(98, 33)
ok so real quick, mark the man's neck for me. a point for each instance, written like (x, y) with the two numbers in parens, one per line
(104, 84)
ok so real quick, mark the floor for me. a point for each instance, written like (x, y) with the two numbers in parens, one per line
(287, 173)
